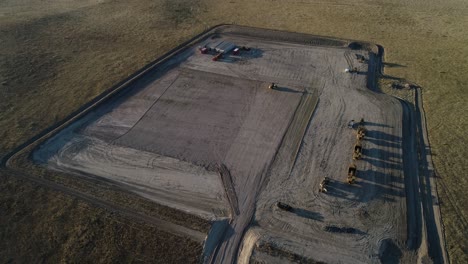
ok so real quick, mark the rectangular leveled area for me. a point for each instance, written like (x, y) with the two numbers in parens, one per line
(167, 135)
(200, 116)
(250, 135)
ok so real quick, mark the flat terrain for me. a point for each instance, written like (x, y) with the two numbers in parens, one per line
(374, 208)
(57, 55)
(180, 117)
(211, 139)
(59, 228)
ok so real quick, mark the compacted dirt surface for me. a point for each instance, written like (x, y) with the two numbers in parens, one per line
(210, 138)
(350, 222)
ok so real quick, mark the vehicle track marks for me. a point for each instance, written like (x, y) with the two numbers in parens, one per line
(229, 188)
(124, 211)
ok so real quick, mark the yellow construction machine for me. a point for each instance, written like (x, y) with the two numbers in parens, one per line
(351, 179)
(361, 132)
(323, 185)
(357, 154)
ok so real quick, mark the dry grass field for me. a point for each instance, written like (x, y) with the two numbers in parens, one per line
(43, 226)
(56, 55)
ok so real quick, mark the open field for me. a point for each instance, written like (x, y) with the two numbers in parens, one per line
(40, 225)
(54, 60)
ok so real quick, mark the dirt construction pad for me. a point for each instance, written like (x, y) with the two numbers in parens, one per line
(210, 138)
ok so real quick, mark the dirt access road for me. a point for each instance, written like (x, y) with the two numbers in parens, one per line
(167, 136)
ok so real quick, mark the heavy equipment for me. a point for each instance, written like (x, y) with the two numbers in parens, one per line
(283, 206)
(351, 179)
(357, 154)
(323, 185)
(217, 57)
(272, 86)
(360, 58)
(361, 132)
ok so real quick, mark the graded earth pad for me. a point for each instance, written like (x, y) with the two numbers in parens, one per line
(166, 137)
(210, 137)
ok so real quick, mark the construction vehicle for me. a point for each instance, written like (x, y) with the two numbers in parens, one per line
(351, 179)
(217, 57)
(357, 154)
(360, 58)
(323, 185)
(361, 132)
(283, 206)
(272, 86)
(352, 70)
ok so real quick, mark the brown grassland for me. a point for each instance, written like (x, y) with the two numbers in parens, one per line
(44, 226)
(56, 55)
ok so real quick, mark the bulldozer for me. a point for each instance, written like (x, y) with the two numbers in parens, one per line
(284, 206)
(361, 132)
(351, 179)
(357, 154)
(323, 185)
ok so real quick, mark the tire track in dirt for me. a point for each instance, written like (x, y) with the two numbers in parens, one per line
(299, 125)
(124, 211)
(229, 189)
(378, 190)
(431, 211)
(289, 147)
(291, 143)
